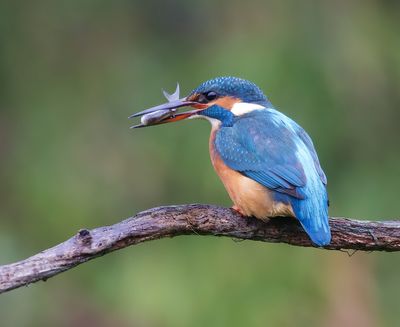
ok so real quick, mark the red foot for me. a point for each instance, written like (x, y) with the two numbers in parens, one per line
(238, 210)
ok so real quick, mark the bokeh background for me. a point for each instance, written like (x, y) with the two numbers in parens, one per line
(70, 74)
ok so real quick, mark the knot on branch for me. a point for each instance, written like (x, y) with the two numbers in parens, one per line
(84, 237)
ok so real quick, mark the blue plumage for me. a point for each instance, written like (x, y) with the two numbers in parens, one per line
(250, 138)
(273, 150)
(233, 86)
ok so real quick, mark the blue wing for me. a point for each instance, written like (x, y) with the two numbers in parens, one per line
(273, 150)
(310, 146)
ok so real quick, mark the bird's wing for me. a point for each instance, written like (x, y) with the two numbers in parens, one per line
(273, 150)
(264, 148)
(310, 146)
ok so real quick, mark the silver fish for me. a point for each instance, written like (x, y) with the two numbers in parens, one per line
(174, 96)
(157, 116)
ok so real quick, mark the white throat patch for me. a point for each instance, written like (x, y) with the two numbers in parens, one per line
(215, 123)
(241, 108)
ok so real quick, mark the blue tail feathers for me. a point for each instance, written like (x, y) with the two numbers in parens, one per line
(313, 216)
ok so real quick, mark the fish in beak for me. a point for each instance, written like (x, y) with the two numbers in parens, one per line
(167, 112)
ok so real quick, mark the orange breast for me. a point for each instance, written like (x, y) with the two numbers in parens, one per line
(251, 198)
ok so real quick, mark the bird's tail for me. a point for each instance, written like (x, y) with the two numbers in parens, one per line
(312, 213)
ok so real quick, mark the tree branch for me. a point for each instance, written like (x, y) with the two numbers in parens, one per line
(191, 219)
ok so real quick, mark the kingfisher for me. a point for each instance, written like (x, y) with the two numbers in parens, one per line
(266, 161)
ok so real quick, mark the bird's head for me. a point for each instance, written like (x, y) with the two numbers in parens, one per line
(219, 100)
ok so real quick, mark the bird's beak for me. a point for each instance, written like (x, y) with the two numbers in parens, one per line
(166, 113)
(172, 106)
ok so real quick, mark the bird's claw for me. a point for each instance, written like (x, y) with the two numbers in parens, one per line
(238, 210)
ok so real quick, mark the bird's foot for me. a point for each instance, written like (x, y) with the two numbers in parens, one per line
(238, 210)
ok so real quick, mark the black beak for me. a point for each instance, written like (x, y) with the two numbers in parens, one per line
(169, 106)
(166, 113)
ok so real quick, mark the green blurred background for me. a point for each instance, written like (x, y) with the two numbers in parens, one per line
(70, 74)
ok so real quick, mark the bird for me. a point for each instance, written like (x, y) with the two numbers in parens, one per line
(266, 161)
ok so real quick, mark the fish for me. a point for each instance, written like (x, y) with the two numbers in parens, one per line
(155, 117)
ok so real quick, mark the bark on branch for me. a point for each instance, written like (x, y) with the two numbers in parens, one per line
(191, 219)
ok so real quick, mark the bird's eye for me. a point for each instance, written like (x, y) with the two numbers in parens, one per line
(207, 97)
(210, 95)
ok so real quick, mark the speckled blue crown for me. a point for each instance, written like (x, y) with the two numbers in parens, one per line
(233, 86)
